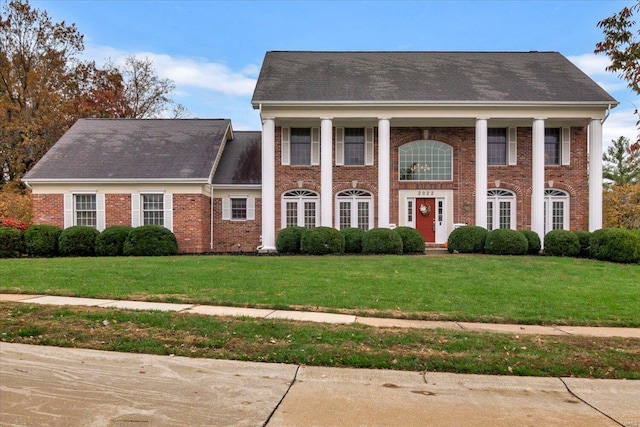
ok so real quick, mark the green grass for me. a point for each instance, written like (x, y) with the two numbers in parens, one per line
(531, 290)
(356, 346)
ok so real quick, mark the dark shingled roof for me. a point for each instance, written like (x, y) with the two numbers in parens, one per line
(120, 149)
(424, 76)
(241, 161)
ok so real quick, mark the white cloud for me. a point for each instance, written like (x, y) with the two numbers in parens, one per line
(621, 122)
(595, 66)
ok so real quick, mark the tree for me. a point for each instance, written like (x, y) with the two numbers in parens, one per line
(621, 163)
(622, 45)
(622, 206)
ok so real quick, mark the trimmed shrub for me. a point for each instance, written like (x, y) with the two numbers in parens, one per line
(288, 240)
(79, 240)
(467, 239)
(561, 243)
(42, 240)
(14, 223)
(412, 240)
(615, 244)
(322, 241)
(381, 241)
(584, 237)
(533, 242)
(150, 240)
(504, 241)
(352, 240)
(11, 242)
(111, 241)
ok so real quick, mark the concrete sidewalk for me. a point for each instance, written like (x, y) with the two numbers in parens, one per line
(328, 317)
(74, 387)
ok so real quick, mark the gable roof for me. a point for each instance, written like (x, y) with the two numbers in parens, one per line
(492, 77)
(134, 149)
(241, 162)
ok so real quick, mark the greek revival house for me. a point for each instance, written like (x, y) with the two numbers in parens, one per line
(427, 140)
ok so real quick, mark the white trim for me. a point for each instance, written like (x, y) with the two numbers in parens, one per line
(368, 146)
(315, 146)
(167, 205)
(512, 146)
(481, 171)
(565, 146)
(565, 199)
(445, 196)
(353, 200)
(537, 177)
(326, 172)
(68, 201)
(595, 175)
(268, 189)
(339, 146)
(496, 199)
(100, 212)
(384, 159)
(251, 209)
(302, 196)
(226, 208)
(285, 146)
(135, 210)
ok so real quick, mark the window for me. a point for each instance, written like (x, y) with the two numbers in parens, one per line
(501, 209)
(85, 210)
(354, 146)
(497, 146)
(300, 146)
(238, 208)
(556, 210)
(354, 209)
(153, 209)
(426, 161)
(552, 146)
(300, 208)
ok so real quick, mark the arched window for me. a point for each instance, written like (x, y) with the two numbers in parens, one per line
(354, 208)
(425, 161)
(556, 210)
(300, 208)
(501, 209)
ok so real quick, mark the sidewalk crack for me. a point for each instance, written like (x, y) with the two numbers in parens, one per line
(293, 381)
(589, 404)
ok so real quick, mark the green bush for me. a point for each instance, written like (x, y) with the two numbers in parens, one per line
(11, 242)
(615, 244)
(533, 242)
(561, 243)
(352, 240)
(321, 241)
(381, 241)
(504, 241)
(412, 240)
(584, 237)
(467, 239)
(150, 240)
(288, 240)
(79, 240)
(42, 240)
(111, 241)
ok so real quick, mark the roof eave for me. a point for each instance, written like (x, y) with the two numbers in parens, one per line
(603, 103)
(30, 181)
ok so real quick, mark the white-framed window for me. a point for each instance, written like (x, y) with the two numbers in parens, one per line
(238, 208)
(300, 208)
(152, 208)
(354, 208)
(354, 146)
(557, 146)
(84, 208)
(300, 146)
(556, 210)
(501, 209)
(502, 145)
(425, 161)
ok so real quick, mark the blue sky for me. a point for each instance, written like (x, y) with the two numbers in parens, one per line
(213, 49)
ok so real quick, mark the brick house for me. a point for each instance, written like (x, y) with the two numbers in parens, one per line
(349, 139)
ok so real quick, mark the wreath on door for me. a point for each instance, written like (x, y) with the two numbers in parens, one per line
(425, 210)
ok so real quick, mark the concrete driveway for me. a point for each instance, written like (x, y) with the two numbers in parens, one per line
(50, 386)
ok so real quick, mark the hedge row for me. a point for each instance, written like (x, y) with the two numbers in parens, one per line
(50, 241)
(327, 240)
(608, 244)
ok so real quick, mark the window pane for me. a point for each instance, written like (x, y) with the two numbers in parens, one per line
(292, 214)
(497, 146)
(363, 215)
(309, 214)
(410, 211)
(552, 146)
(425, 161)
(489, 215)
(300, 146)
(557, 216)
(505, 214)
(345, 214)
(85, 210)
(238, 208)
(354, 146)
(153, 209)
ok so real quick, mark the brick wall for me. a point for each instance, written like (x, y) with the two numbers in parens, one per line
(117, 209)
(48, 209)
(236, 236)
(192, 222)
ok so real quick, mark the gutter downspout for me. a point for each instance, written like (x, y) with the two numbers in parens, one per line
(211, 197)
(606, 116)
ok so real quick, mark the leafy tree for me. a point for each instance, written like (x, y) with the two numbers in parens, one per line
(622, 206)
(622, 45)
(621, 163)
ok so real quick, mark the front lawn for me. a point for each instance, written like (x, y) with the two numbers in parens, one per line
(532, 290)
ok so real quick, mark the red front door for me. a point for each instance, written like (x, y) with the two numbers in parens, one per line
(426, 219)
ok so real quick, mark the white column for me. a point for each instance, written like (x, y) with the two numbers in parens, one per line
(481, 172)
(537, 178)
(384, 166)
(595, 175)
(268, 185)
(326, 172)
